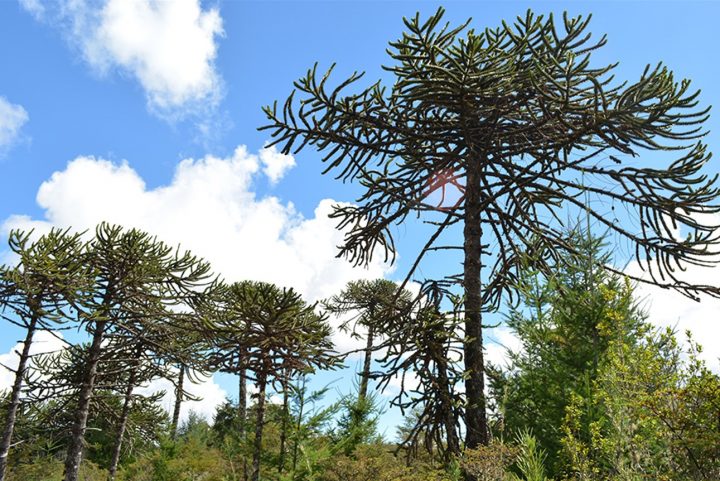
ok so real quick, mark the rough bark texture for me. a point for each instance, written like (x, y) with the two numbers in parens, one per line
(298, 426)
(475, 417)
(77, 440)
(11, 414)
(178, 402)
(284, 428)
(262, 381)
(365, 376)
(242, 402)
(112, 470)
(453, 443)
(242, 414)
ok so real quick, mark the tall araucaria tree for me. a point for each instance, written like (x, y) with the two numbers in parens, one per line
(134, 279)
(525, 129)
(373, 306)
(56, 381)
(425, 346)
(270, 331)
(37, 294)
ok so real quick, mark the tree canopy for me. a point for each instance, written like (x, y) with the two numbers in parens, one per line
(528, 129)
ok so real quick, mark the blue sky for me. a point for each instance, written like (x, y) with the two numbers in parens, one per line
(134, 112)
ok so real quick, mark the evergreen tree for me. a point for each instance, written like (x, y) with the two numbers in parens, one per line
(374, 306)
(134, 279)
(268, 331)
(521, 124)
(36, 294)
(425, 346)
(565, 323)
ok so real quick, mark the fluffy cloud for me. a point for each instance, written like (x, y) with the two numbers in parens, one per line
(667, 308)
(43, 342)
(210, 208)
(275, 164)
(12, 118)
(498, 341)
(208, 393)
(168, 47)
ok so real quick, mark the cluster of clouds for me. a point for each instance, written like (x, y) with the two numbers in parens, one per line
(12, 119)
(212, 209)
(168, 47)
(666, 308)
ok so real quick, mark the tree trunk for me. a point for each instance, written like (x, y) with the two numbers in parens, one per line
(77, 440)
(262, 381)
(298, 425)
(112, 470)
(242, 403)
(365, 376)
(453, 444)
(242, 412)
(178, 402)
(475, 416)
(11, 414)
(284, 427)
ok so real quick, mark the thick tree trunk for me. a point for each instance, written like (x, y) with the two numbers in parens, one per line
(242, 402)
(112, 470)
(11, 414)
(365, 375)
(453, 444)
(178, 402)
(284, 428)
(262, 381)
(475, 416)
(77, 440)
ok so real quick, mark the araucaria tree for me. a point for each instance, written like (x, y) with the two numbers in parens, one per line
(134, 279)
(36, 295)
(269, 331)
(373, 305)
(527, 129)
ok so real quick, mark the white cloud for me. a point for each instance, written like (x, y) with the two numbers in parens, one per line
(12, 118)
(497, 343)
(43, 342)
(667, 308)
(169, 47)
(275, 164)
(34, 7)
(211, 209)
(210, 395)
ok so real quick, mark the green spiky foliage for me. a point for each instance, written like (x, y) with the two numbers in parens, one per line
(521, 123)
(373, 306)
(564, 323)
(55, 383)
(268, 331)
(36, 294)
(135, 280)
(422, 351)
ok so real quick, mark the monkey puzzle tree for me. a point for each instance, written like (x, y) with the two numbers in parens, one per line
(374, 304)
(526, 129)
(426, 346)
(134, 277)
(55, 384)
(270, 331)
(36, 295)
